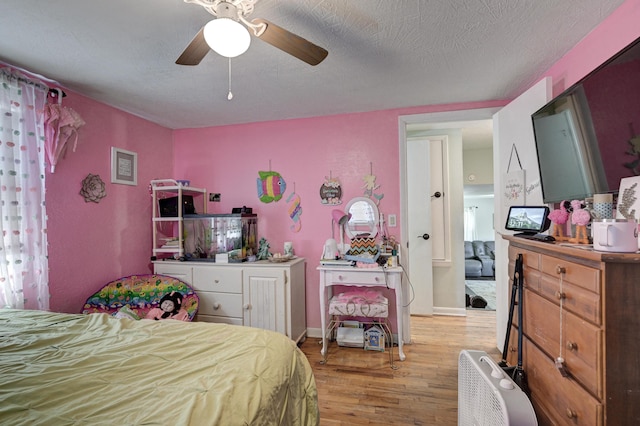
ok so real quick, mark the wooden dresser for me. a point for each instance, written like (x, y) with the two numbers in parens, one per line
(600, 334)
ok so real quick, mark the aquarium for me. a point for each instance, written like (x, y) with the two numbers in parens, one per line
(208, 235)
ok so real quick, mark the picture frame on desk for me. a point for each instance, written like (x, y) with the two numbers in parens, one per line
(124, 167)
(628, 205)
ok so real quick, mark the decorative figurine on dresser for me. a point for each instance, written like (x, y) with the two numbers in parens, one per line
(559, 217)
(580, 218)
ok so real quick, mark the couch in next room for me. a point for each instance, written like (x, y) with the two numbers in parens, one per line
(479, 258)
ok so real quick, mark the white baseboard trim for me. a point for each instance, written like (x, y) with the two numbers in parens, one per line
(314, 333)
(454, 312)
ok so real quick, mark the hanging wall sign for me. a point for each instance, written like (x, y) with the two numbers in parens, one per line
(331, 192)
(514, 182)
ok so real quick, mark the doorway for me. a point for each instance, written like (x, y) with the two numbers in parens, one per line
(442, 287)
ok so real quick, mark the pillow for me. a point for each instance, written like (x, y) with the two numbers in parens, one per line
(126, 312)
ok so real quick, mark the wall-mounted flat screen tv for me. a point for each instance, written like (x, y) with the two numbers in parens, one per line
(588, 138)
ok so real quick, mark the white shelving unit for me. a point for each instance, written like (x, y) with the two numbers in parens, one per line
(168, 231)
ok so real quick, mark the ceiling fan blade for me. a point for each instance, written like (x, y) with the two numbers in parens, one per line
(291, 43)
(195, 51)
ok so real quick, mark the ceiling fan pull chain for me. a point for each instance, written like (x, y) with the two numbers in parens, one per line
(230, 95)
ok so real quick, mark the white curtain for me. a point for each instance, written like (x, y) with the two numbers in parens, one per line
(470, 231)
(23, 242)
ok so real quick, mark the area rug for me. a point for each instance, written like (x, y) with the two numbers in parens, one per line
(484, 288)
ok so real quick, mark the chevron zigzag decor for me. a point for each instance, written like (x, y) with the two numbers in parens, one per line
(361, 245)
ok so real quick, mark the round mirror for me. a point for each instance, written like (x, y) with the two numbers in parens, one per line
(364, 217)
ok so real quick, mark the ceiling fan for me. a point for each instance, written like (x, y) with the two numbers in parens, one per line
(231, 13)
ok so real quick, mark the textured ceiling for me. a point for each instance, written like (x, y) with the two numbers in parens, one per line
(382, 54)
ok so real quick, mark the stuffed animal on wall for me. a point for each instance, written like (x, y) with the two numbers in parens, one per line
(170, 308)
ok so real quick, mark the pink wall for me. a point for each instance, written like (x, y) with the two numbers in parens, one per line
(91, 244)
(227, 159)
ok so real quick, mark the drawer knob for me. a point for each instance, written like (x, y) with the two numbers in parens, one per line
(247, 306)
(216, 281)
(216, 306)
(561, 270)
(512, 349)
(340, 277)
(572, 346)
(376, 279)
(560, 295)
(571, 414)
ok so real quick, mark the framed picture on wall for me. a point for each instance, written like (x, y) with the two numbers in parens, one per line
(124, 166)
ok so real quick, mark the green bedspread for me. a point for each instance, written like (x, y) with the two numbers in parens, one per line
(68, 369)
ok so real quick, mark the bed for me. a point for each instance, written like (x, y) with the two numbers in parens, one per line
(96, 369)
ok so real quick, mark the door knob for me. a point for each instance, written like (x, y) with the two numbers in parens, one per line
(424, 236)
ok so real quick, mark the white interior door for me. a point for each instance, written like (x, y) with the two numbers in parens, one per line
(512, 127)
(419, 227)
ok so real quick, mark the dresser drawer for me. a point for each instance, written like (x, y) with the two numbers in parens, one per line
(579, 275)
(180, 271)
(360, 277)
(575, 299)
(531, 266)
(558, 399)
(220, 304)
(530, 259)
(221, 279)
(218, 320)
(582, 342)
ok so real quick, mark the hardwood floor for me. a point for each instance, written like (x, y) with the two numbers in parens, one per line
(358, 387)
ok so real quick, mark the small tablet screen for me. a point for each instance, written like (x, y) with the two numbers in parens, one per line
(528, 219)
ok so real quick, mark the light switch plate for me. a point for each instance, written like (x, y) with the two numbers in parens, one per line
(392, 221)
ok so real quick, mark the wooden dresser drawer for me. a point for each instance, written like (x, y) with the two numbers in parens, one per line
(556, 399)
(575, 299)
(582, 341)
(220, 304)
(223, 279)
(582, 276)
(531, 268)
(530, 259)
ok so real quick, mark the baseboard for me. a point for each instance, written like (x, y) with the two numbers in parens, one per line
(453, 312)
(314, 333)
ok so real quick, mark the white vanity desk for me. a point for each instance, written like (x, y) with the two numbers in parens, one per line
(365, 277)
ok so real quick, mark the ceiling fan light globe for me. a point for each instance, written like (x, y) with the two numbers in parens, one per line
(227, 37)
